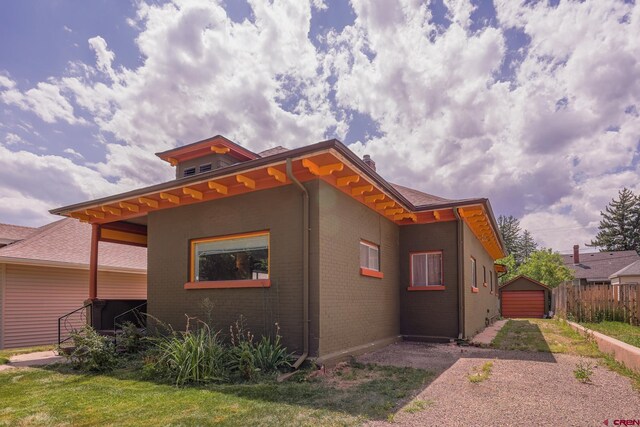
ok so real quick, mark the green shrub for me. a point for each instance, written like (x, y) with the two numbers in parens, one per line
(271, 355)
(131, 339)
(91, 351)
(191, 357)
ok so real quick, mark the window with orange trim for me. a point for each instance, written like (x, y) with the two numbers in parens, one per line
(243, 257)
(474, 273)
(369, 256)
(426, 269)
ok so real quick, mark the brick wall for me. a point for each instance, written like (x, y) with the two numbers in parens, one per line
(278, 210)
(483, 304)
(354, 309)
(429, 313)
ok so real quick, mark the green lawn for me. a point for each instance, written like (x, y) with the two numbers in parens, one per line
(6, 354)
(618, 330)
(62, 397)
(555, 336)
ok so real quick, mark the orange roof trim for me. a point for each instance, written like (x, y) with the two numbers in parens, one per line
(218, 144)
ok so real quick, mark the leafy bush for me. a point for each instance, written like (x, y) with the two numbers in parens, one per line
(91, 351)
(197, 356)
(131, 339)
(191, 357)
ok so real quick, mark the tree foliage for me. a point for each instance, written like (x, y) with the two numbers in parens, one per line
(518, 242)
(619, 228)
(546, 267)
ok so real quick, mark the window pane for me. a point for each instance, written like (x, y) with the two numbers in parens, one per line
(364, 255)
(374, 258)
(434, 267)
(419, 269)
(244, 258)
(474, 274)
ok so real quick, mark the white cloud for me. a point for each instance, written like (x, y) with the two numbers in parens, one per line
(73, 153)
(553, 144)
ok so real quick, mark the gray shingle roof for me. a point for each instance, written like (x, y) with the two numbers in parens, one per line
(632, 269)
(598, 266)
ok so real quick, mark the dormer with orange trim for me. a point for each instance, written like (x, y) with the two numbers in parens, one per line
(206, 155)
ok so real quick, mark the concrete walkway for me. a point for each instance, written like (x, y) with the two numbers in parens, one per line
(38, 358)
(484, 338)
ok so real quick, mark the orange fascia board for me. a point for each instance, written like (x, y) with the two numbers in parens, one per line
(229, 284)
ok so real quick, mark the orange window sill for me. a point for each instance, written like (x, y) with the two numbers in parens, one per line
(426, 288)
(229, 284)
(475, 290)
(371, 273)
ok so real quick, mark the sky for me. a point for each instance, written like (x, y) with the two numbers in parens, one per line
(534, 104)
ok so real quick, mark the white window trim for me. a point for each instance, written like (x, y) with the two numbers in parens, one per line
(427, 253)
(371, 246)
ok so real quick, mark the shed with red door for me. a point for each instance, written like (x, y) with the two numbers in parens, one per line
(524, 297)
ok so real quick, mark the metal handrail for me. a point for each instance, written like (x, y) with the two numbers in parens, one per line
(66, 320)
(136, 311)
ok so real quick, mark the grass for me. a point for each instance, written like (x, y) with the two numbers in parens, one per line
(583, 372)
(417, 405)
(5, 355)
(618, 330)
(61, 397)
(551, 336)
(481, 374)
(556, 336)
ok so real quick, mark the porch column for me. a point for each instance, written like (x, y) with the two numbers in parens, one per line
(93, 262)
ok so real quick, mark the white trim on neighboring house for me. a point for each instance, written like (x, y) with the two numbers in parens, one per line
(44, 263)
(3, 275)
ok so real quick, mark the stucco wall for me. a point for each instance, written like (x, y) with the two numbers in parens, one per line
(431, 313)
(355, 309)
(34, 297)
(483, 304)
(278, 210)
(523, 284)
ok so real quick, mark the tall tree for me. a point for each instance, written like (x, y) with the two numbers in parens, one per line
(527, 246)
(510, 229)
(619, 228)
(546, 267)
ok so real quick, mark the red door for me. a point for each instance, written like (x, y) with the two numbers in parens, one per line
(523, 304)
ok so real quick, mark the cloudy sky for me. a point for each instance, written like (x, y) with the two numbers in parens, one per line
(534, 105)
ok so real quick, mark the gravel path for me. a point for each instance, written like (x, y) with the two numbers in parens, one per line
(524, 388)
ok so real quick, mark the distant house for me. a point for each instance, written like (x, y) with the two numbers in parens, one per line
(597, 267)
(312, 238)
(629, 274)
(44, 274)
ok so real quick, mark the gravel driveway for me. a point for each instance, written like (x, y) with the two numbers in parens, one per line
(523, 389)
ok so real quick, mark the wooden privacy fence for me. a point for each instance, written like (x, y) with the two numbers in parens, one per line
(596, 303)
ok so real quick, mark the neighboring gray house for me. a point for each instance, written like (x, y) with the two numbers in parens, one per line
(598, 267)
(629, 274)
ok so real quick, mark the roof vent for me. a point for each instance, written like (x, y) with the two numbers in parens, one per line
(189, 172)
(367, 161)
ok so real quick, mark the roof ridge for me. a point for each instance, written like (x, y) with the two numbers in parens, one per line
(20, 226)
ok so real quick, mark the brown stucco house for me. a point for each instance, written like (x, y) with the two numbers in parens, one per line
(311, 238)
(44, 274)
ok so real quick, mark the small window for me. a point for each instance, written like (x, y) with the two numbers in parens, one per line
(426, 269)
(491, 279)
(369, 256)
(484, 275)
(474, 273)
(205, 168)
(189, 172)
(241, 257)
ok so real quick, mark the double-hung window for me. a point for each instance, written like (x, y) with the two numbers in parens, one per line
(474, 274)
(426, 269)
(370, 259)
(230, 261)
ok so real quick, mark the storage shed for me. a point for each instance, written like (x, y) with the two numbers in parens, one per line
(524, 297)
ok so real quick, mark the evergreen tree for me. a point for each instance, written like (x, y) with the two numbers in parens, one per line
(527, 246)
(510, 229)
(619, 228)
